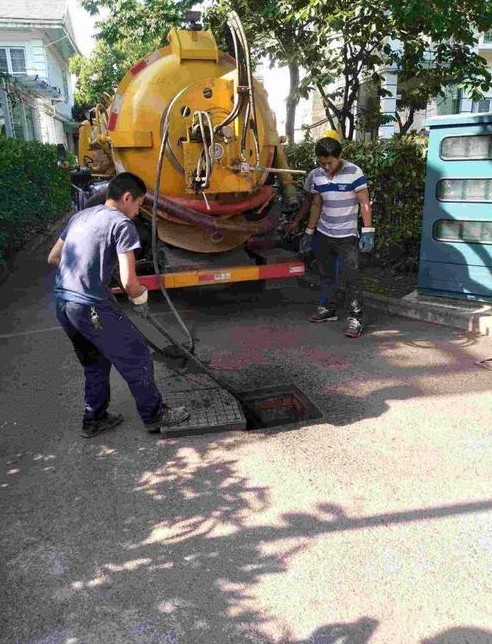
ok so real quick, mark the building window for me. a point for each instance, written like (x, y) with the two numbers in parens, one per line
(24, 121)
(13, 60)
(471, 190)
(65, 85)
(466, 147)
(3, 127)
(30, 123)
(472, 232)
(487, 37)
(481, 106)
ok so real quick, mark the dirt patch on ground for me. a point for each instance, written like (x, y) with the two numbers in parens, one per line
(383, 281)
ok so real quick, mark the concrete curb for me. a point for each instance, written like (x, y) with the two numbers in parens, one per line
(475, 317)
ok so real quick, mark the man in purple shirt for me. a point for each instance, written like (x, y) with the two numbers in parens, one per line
(102, 336)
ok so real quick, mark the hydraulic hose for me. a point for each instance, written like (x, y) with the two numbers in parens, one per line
(241, 81)
(165, 134)
(208, 222)
(236, 24)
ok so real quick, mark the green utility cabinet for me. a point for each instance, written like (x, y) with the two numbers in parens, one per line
(456, 244)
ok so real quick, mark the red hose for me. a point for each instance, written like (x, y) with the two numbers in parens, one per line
(183, 212)
(208, 222)
(248, 203)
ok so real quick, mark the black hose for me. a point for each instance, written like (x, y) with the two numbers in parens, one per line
(252, 418)
(160, 160)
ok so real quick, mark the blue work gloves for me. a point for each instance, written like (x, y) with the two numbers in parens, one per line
(140, 303)
(366, 241)
(306, 241)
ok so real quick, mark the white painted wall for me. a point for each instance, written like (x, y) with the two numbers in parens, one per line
(46, 63)
(33, 46)
(56, 67)
(45, 121)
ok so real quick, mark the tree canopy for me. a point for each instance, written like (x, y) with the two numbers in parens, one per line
(142, 21)
(430, 45)
(101, 73)
(127, 30)
(340, 46)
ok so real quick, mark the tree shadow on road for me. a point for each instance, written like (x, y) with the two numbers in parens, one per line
(177, 555)
(461, 635)
(359, 632)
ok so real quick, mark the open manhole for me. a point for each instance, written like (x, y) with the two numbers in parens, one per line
(276, 406)
(215, 410)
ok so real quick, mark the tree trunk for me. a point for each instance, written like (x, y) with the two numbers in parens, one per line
(404, 127)
(292, 101)
(330, 111)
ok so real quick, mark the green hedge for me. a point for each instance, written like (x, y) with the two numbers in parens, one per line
(34, 191)
(395, 171)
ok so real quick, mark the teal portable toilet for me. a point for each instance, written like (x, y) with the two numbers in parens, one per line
(456, 244)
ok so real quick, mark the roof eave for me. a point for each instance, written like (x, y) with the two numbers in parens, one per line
(26, 23)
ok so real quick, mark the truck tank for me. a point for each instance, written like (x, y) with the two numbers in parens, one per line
(194, 124)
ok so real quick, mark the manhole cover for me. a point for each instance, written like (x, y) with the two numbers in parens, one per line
(275, 406)
(212, 410)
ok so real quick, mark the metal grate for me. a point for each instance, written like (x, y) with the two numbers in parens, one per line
(215, 410)
(212, 410)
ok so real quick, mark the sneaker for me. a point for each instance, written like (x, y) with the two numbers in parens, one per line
(170, 417)
(91, 428)
(354, 328)
(324, 315)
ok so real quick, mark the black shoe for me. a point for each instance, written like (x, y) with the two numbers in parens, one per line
(324, 315)
(91, 428)
(354, 328)
(170, 417)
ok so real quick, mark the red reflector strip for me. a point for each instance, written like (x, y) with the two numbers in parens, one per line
(112, 120)
(138, 67)
(275, 271)
(214, 278)
(150, 281)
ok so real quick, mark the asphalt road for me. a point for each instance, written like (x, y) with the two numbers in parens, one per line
(373, 525)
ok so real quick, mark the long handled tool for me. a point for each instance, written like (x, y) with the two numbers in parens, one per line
(253, 420)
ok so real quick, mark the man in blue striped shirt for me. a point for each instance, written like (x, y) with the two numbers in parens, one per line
(339, 189)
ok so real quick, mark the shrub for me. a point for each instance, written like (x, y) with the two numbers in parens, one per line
(34, 191)
(395, 172)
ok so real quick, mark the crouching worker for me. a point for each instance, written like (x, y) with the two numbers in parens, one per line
(101, 334)
(339, 189)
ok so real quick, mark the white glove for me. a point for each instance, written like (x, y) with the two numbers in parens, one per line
(140, 304)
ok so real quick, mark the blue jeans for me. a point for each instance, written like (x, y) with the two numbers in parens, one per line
(118, 343)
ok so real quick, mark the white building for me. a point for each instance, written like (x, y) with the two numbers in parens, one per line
(453, 102)
(36, 95)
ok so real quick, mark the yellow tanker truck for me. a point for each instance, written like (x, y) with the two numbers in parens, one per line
(196, 126)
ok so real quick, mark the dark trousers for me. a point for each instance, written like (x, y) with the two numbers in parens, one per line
(117, 343)
(335, 288)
